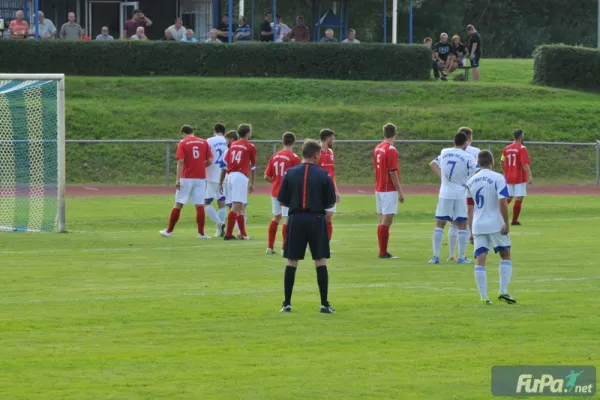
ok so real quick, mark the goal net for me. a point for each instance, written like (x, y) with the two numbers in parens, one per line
(32, 153)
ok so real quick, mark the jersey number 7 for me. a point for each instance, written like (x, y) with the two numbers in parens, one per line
(453, 163)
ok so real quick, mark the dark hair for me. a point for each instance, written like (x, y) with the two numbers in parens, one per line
(278, 15)
(300, 17)
(326, 133)
(219, 128)
(242, 18)
(288, 139)
(389, 130)
(187, 129)
(226, 15)
(310, 148)
(485, 158)
(460, 139)
(243, 130)
(427, 39)
(136, 11)
(518, 133)
(233, 135)
(467, 131)
(267, 13)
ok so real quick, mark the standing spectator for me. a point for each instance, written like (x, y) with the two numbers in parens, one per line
(351, 37)
(266, 30)
(138, 19)
(244, 32)
(18, 27)
(329, 38)
(214, 34)
(140, 34)
(299, 32)
(177, 30)
(189, 37)
(168, 35)
(71, 30)
(436, 71)
(475, 50)
(282, 29)
(104, 36)
(46, 27)
(223, 29)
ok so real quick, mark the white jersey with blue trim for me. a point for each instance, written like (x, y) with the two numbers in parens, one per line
(218, 147)
(486, 188)
(457, 167)
(474, 151)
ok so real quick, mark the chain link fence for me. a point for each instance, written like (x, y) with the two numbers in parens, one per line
(153, 161)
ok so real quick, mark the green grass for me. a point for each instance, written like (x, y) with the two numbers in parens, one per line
(155, 108)
(113, 311)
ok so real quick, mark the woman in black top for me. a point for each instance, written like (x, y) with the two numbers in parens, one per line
(460, 50)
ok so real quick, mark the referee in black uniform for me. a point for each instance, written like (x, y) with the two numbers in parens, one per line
(308, 191)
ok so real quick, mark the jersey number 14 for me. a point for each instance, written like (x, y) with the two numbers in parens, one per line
(236, 156)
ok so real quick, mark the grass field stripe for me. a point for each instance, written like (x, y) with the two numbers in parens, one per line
(409, 286)
(34, 106)
(7, 166)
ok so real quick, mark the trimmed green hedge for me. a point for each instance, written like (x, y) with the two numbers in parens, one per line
(567, 67)
(126, 58)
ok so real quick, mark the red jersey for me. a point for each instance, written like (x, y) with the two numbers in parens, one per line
(326, 162)
(278, 166)
(385, 160)
(241, 157)
(194, 152)
(515, 157)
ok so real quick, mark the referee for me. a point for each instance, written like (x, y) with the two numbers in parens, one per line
(308, 191)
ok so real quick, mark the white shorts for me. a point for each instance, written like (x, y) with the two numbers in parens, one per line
(193, 190)
(387, 202)
(518, 190)
(278, 209)
(238, 188)
(212, 192)
(484, 243)
(451, 210)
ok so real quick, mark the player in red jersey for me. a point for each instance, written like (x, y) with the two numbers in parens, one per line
(516, 165)
(193, 156)
(388, 191)
(326, 162)
(276, 169)
(241, 159)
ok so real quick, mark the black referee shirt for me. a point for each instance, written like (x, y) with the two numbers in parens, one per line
(307, 188)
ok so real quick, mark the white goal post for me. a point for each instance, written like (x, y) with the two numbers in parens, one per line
(32, 153)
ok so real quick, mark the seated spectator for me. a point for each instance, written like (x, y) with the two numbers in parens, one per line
(18, 27)
(168, 36)
(223, 29)
(104, 36)
(351, 37)
(214, 34)
(461, 52)
(444, 54)
(85, 35)
(299, 33)
(140, 34)
(178, 31)
(71, 30)
(282, 29)
(243, 33)
(138, 19)
(328, 38)
(46, 27)
(436, 72)
(189, 37)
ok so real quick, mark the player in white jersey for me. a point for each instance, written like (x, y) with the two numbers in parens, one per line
(456, 166)
(218, 146)
(489, 225)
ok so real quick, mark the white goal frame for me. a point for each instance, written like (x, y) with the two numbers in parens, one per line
(60, 128)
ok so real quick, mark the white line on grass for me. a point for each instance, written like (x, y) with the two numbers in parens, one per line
(430, 286)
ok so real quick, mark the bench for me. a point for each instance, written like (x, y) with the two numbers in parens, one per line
(466, 69)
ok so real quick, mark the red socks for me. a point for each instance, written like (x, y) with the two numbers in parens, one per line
(272, 233)
(383, 234)
(284, 234)
(231, 219)
(509, 200)
(516, 210)
(200, 219)
(329, 230)
(242, 224)
(173, 219)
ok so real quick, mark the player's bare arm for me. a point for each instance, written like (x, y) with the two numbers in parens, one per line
(337, 194)
(473, 50)
(503, 205)
(179, 172)
(268, 178)
(209, 162)
(222, 179)
(435, 167)
(529, 174)
(252, 179)
(397, 185)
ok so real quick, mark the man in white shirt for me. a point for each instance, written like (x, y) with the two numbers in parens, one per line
(218, 146)
(489, 225)
(178, 30)
(140, 34)
(455, 166)
(46, 27)
(351, 37)
(282, 29)
(214, 37)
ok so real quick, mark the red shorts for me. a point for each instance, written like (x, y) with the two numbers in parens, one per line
(470, 201)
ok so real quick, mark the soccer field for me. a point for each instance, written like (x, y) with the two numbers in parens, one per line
(114, 311)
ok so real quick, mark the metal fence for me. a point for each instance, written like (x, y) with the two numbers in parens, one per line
(153, 161)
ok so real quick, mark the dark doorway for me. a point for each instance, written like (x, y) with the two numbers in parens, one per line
(105, 14)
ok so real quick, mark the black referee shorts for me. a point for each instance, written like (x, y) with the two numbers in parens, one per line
(306, 228)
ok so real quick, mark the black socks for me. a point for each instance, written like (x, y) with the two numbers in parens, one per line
(323, 281)
(288, 282)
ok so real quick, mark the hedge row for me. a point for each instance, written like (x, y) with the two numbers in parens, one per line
(567, 67)
(126, 58)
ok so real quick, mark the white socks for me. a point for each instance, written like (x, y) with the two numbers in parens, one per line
(481, 280)
(222, 214)
(213, 214)
(463, 242)
(452, 239)
(505, 271)
(437, 241)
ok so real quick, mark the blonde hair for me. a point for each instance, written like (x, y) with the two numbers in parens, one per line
(455, 37)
